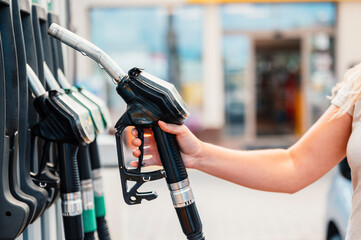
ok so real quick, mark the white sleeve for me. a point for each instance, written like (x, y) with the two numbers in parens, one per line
(341, 97)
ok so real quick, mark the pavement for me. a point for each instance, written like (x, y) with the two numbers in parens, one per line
(228, 211)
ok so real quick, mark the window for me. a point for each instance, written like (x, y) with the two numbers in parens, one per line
(282, 16)
(236, 53)
(166, 43)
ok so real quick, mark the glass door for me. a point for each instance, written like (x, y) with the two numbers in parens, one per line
(277, 79)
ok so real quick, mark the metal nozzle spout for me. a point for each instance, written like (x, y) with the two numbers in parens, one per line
(87, 49)
(50, 79)
(35, 85)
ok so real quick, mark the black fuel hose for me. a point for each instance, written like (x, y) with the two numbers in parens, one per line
(103, 231)
(100, 209)
(89, 218)
(70, 191)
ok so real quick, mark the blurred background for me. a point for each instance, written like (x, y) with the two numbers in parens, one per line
(255, 74)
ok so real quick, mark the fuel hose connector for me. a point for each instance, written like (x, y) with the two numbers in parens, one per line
(181, 193)
(72, 211)
(71, 204)
(178, 184)
(184, 204)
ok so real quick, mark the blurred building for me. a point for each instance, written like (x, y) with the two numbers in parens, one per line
(249, 72)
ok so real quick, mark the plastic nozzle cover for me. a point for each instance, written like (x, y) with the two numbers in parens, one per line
(87, 49)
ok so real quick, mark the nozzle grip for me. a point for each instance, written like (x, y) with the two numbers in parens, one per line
(170, 156)
(68, 165)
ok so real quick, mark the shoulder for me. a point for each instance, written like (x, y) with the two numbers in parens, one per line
(348, 91)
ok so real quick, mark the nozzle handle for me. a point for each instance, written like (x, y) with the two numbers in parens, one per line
(87, 49)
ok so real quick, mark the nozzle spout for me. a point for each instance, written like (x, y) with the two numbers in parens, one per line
(88, 49)
(35, 85)
(50, 79)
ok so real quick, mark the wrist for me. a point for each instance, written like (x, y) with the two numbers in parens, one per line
(197, 158)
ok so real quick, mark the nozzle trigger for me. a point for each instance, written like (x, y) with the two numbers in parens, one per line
(141, 148)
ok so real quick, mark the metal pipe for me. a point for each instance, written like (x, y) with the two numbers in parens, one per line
(50, 79)
(87, 49)
(63, 81)
(35, 85)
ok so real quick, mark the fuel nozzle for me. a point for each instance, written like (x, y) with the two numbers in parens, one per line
(148, 99)
(87, 49)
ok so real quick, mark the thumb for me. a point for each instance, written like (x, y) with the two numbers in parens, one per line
(172, 128)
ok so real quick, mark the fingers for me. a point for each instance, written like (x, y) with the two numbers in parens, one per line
(136, 142)
(149, 146)
(146, 151)
(167, 127)
(134, 132)
(134, 164)
(173, 128)
(147, 131)
(136, 153)
(150, 161)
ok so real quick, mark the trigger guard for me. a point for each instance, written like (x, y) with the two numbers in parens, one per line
(139, 196)
(135, 197)
(131, 195)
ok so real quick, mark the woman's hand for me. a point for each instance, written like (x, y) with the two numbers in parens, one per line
(189, 144)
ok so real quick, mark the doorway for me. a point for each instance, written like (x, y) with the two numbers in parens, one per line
(277, 69)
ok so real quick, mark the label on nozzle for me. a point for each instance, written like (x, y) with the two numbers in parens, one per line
(181, 193)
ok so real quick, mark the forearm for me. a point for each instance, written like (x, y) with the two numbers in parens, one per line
(269, 170)
(278, 170)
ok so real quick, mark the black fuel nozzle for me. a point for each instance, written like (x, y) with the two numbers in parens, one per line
(59, 120)
(64, 122)
(149, 99)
